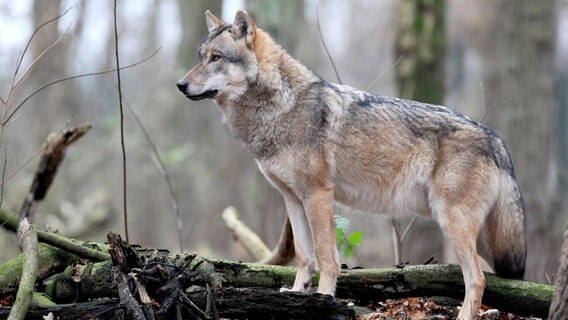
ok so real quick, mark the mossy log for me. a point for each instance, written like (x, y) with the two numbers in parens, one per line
(81, 282)
(363, 285)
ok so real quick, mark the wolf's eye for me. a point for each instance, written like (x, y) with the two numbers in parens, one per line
(215, 57)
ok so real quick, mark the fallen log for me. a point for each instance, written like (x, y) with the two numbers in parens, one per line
(234, 303)
(50, 261)
(363, 286)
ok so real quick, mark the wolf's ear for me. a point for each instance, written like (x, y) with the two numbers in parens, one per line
(212, 21)
(243, 26)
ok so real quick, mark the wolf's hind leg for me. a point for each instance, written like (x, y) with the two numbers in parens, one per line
(460, 227)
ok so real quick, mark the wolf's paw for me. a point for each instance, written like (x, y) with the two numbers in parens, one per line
(285, 290)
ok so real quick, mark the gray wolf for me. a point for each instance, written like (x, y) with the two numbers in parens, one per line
(318, 142)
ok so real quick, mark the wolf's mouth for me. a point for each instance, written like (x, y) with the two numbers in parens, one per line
(205, 95)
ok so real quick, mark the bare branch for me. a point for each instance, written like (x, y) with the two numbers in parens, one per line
(121, 126)
(35, 155)
(28, 240)
(162, 168)
(484, 107)
(49, 84)
(407, 228)
(374, 82)
(29, 68)
(51, 158)
(3, 175)
(325, 47)
(21, 58)
(397, 242)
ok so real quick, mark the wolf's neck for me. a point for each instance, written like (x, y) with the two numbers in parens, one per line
(281, 77)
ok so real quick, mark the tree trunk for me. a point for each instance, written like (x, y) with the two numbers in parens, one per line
(421, 42)
(518, 67)
(559, 305)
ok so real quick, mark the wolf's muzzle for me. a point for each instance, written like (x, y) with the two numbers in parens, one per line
(182, 85)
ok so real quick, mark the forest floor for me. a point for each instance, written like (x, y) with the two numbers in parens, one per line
(429, 308)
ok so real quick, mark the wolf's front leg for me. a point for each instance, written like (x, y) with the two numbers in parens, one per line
(319, 209)
(305, 258)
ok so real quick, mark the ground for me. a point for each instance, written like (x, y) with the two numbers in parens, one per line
(428, 308)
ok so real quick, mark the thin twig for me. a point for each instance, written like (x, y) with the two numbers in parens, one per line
(162, 168)
(325, 47)
(3, 175)
(192, 305)
(407, 228)
(483, 105)
(396, 241)
(21, 58)
(71, 78)
(374, 82)
(6, 107)
(121, 127)
(33, 63)
(36, 154)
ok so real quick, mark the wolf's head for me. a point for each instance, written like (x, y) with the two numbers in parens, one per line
(227, 61)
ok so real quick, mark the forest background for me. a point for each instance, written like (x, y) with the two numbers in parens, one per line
(503, 63)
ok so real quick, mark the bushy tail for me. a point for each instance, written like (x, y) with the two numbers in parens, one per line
(505, 230)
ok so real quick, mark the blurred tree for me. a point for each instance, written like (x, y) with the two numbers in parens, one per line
(420, 76)
(559, 305)
(282, 20)
(519, 82)
(200, 125)
(192, 15)
(421, 46)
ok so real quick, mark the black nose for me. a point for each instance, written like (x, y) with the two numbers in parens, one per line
(182, 85)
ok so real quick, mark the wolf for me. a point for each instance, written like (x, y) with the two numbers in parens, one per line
(319, 142)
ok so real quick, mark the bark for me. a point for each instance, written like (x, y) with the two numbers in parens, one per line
(559, 305)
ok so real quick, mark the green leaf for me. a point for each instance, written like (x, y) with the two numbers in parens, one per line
(347, 252)
(339, 237)
(355, 238)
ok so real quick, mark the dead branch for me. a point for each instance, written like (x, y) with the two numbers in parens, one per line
(84, 249)
(282, 254)
(162, 168)
(284, 251)
(325, 46)
(28, 238)
(53, 154)
(243, 234)
(49, 84)
(121, 109)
